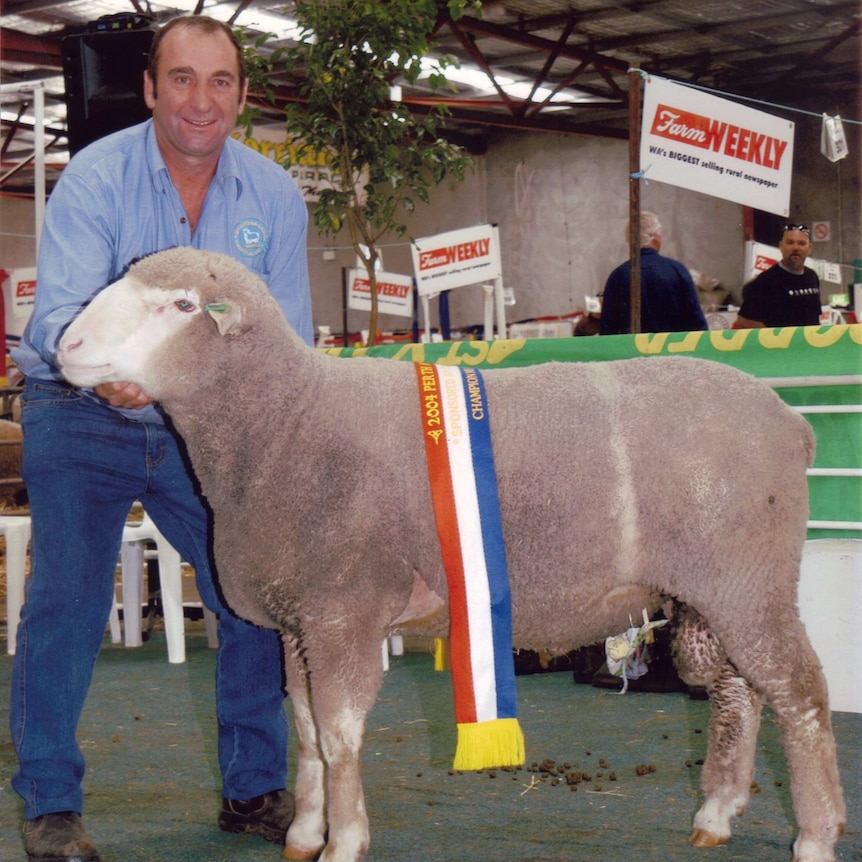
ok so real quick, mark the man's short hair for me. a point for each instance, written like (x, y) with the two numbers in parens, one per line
(204, 24)
(650, 228)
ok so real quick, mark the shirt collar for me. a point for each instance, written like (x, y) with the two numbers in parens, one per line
(227, 169)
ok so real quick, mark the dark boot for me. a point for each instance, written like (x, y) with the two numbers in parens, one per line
(269, 815)
(58, 837)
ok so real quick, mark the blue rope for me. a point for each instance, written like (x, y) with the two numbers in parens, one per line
(641, 175)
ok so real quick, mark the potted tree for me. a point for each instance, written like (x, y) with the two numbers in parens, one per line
(348, 61)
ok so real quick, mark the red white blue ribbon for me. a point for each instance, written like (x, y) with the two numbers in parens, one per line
(467, 514)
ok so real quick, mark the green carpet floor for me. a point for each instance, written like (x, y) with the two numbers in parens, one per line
(152, 788)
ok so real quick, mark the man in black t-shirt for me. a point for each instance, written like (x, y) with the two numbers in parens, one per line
(786, 294)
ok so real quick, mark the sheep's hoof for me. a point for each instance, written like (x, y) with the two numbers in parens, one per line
(298, 854)
(702, 838)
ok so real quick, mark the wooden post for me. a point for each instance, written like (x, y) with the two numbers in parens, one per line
(634, 199)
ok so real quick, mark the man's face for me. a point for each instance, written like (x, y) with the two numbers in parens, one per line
(795, 246)
(200, 94)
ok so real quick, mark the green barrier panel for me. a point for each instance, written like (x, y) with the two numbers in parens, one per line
(792, 351)
(800, 353)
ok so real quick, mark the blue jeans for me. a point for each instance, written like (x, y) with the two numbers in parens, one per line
(84, 465)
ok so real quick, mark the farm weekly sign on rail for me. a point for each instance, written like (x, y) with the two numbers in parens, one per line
(700, 142)
(456, 258)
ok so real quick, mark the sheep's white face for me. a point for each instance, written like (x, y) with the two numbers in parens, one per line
(115, 335)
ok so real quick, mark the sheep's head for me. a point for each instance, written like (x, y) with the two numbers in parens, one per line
(120, 335)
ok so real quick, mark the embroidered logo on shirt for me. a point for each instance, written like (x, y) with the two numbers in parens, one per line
(250, 237)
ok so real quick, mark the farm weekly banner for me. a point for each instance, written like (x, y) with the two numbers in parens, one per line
(448, 260)
(394, 293)
(700, 142)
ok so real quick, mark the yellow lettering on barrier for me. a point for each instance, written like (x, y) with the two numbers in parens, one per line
(416, 352)
(503, 348)
(687, 345)
(650, 343)
(454, 357)
(823, 336)
(773, 339)
(855, 333)
(728, 340)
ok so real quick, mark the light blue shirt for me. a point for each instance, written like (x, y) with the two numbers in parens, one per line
(115, 203)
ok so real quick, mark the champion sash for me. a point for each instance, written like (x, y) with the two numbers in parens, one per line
(467, 514)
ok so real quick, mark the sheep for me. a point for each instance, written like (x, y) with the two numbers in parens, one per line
(623, 486)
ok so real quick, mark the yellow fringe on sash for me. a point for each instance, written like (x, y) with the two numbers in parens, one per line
(487, 744)
(441, 654)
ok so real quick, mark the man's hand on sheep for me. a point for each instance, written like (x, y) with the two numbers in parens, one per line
(120, 394)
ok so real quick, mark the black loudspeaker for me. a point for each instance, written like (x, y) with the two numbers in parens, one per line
(104, 71)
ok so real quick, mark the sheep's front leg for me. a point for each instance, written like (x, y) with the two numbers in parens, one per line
(344, 685)
(307, 834)
(341, 743)
(733, 727)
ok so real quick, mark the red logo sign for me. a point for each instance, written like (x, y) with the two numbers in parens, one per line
(695, 130)
(384, 288)
(454, 253)
(762, 262)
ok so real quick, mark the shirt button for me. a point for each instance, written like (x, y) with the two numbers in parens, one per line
(183, 220)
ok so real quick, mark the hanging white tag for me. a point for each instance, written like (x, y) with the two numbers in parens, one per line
(833, 143)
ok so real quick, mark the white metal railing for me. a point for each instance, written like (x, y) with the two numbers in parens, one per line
(811, 380)
(856, 472)
(828, 408)
(835, 471)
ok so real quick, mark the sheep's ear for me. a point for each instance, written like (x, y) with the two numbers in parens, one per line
(227, 317)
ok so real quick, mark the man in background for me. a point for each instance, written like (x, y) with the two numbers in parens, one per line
(786, 294)
(669, 301)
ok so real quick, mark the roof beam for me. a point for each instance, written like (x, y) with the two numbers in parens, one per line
(477, 27)
(18, 47)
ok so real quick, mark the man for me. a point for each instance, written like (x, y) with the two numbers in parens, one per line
(786, 294)
(669, 301)
(177, 179)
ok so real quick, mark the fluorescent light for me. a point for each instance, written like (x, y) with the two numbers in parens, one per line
(265, 22)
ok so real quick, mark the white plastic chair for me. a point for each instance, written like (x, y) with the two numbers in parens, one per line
(132, 558)
(16, 529)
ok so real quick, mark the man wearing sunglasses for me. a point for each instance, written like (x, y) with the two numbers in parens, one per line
(786, 294)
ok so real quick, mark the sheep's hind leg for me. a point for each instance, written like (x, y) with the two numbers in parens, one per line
(793, 685)
(306, 836)
(734, 723)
